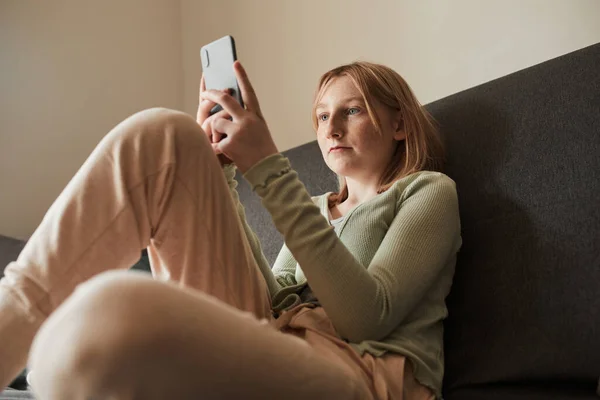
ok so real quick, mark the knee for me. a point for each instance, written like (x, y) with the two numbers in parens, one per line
(157, 126)
(161, 116)
(92, 334)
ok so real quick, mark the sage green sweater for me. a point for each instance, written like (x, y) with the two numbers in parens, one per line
(383, 281)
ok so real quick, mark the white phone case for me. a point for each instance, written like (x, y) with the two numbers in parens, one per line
(217, 65)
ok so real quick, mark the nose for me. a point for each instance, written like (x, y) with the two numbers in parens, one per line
(333, 128)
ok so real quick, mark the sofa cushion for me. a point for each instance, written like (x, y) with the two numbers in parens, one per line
(539, 391)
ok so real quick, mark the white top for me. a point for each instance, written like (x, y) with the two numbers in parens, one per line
(334, 222)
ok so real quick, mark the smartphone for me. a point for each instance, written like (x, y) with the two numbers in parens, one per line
(217, 65)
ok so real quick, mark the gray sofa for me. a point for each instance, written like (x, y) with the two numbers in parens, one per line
(524, 310)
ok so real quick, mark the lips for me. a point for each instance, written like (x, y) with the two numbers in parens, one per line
(338, 148)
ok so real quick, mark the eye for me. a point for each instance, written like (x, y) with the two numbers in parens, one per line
(322, 117)
(353, 111)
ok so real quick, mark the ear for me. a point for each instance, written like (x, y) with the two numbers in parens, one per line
(399, 133)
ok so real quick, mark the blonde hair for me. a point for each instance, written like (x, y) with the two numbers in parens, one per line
(421, 150)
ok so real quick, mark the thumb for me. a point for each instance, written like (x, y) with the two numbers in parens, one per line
(220, 154)
(216, 148)
(221, 146)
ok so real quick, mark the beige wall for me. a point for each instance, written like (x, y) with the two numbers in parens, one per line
(69, 71)
(439, 46)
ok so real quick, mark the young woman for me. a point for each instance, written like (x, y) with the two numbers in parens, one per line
(352, 308)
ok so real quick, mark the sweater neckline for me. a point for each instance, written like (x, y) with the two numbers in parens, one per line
(335, 221)
(325, 205)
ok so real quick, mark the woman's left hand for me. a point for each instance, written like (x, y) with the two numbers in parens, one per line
(248, 138)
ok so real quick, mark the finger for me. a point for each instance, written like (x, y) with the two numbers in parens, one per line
(216, 148)
(246, 89)
(224, 159)
(221, 156)
(213, 136)
(206, 126)
(217, 135)
(205, 107)
(228, 103)
(219, 149)
(200, 114)
(222, 126)
(207, 129)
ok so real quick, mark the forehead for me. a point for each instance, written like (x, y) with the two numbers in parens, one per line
(337, 90)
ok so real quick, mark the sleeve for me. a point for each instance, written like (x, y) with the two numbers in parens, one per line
(259, 257)
(364, 303)
(284, 268)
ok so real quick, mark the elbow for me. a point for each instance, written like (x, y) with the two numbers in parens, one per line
(368, 330)
(374, 326)
(354, 336)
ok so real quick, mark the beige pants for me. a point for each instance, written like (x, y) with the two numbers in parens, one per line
(202, 328)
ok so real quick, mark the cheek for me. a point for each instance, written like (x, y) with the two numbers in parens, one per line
(321, 142)
(365, 135)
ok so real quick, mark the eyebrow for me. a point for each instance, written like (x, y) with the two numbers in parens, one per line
(348, 100)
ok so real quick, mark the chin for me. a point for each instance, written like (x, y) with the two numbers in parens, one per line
(343, 169)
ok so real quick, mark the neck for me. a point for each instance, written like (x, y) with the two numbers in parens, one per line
(360, 191)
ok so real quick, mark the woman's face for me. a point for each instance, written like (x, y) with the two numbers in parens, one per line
(348, 139)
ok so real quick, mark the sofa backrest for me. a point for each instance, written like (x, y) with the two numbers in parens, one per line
(524, 151)
(9, 251)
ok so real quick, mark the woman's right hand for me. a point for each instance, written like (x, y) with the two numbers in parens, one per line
(205, 120)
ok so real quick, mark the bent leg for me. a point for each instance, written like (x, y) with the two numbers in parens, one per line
(152, 181)
(127, 336)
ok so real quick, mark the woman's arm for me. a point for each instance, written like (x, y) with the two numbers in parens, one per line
(364, 303)
(259, 256)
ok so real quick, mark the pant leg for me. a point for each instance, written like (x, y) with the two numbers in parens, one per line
(152, 181)
(125, 336)
(389, 377)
